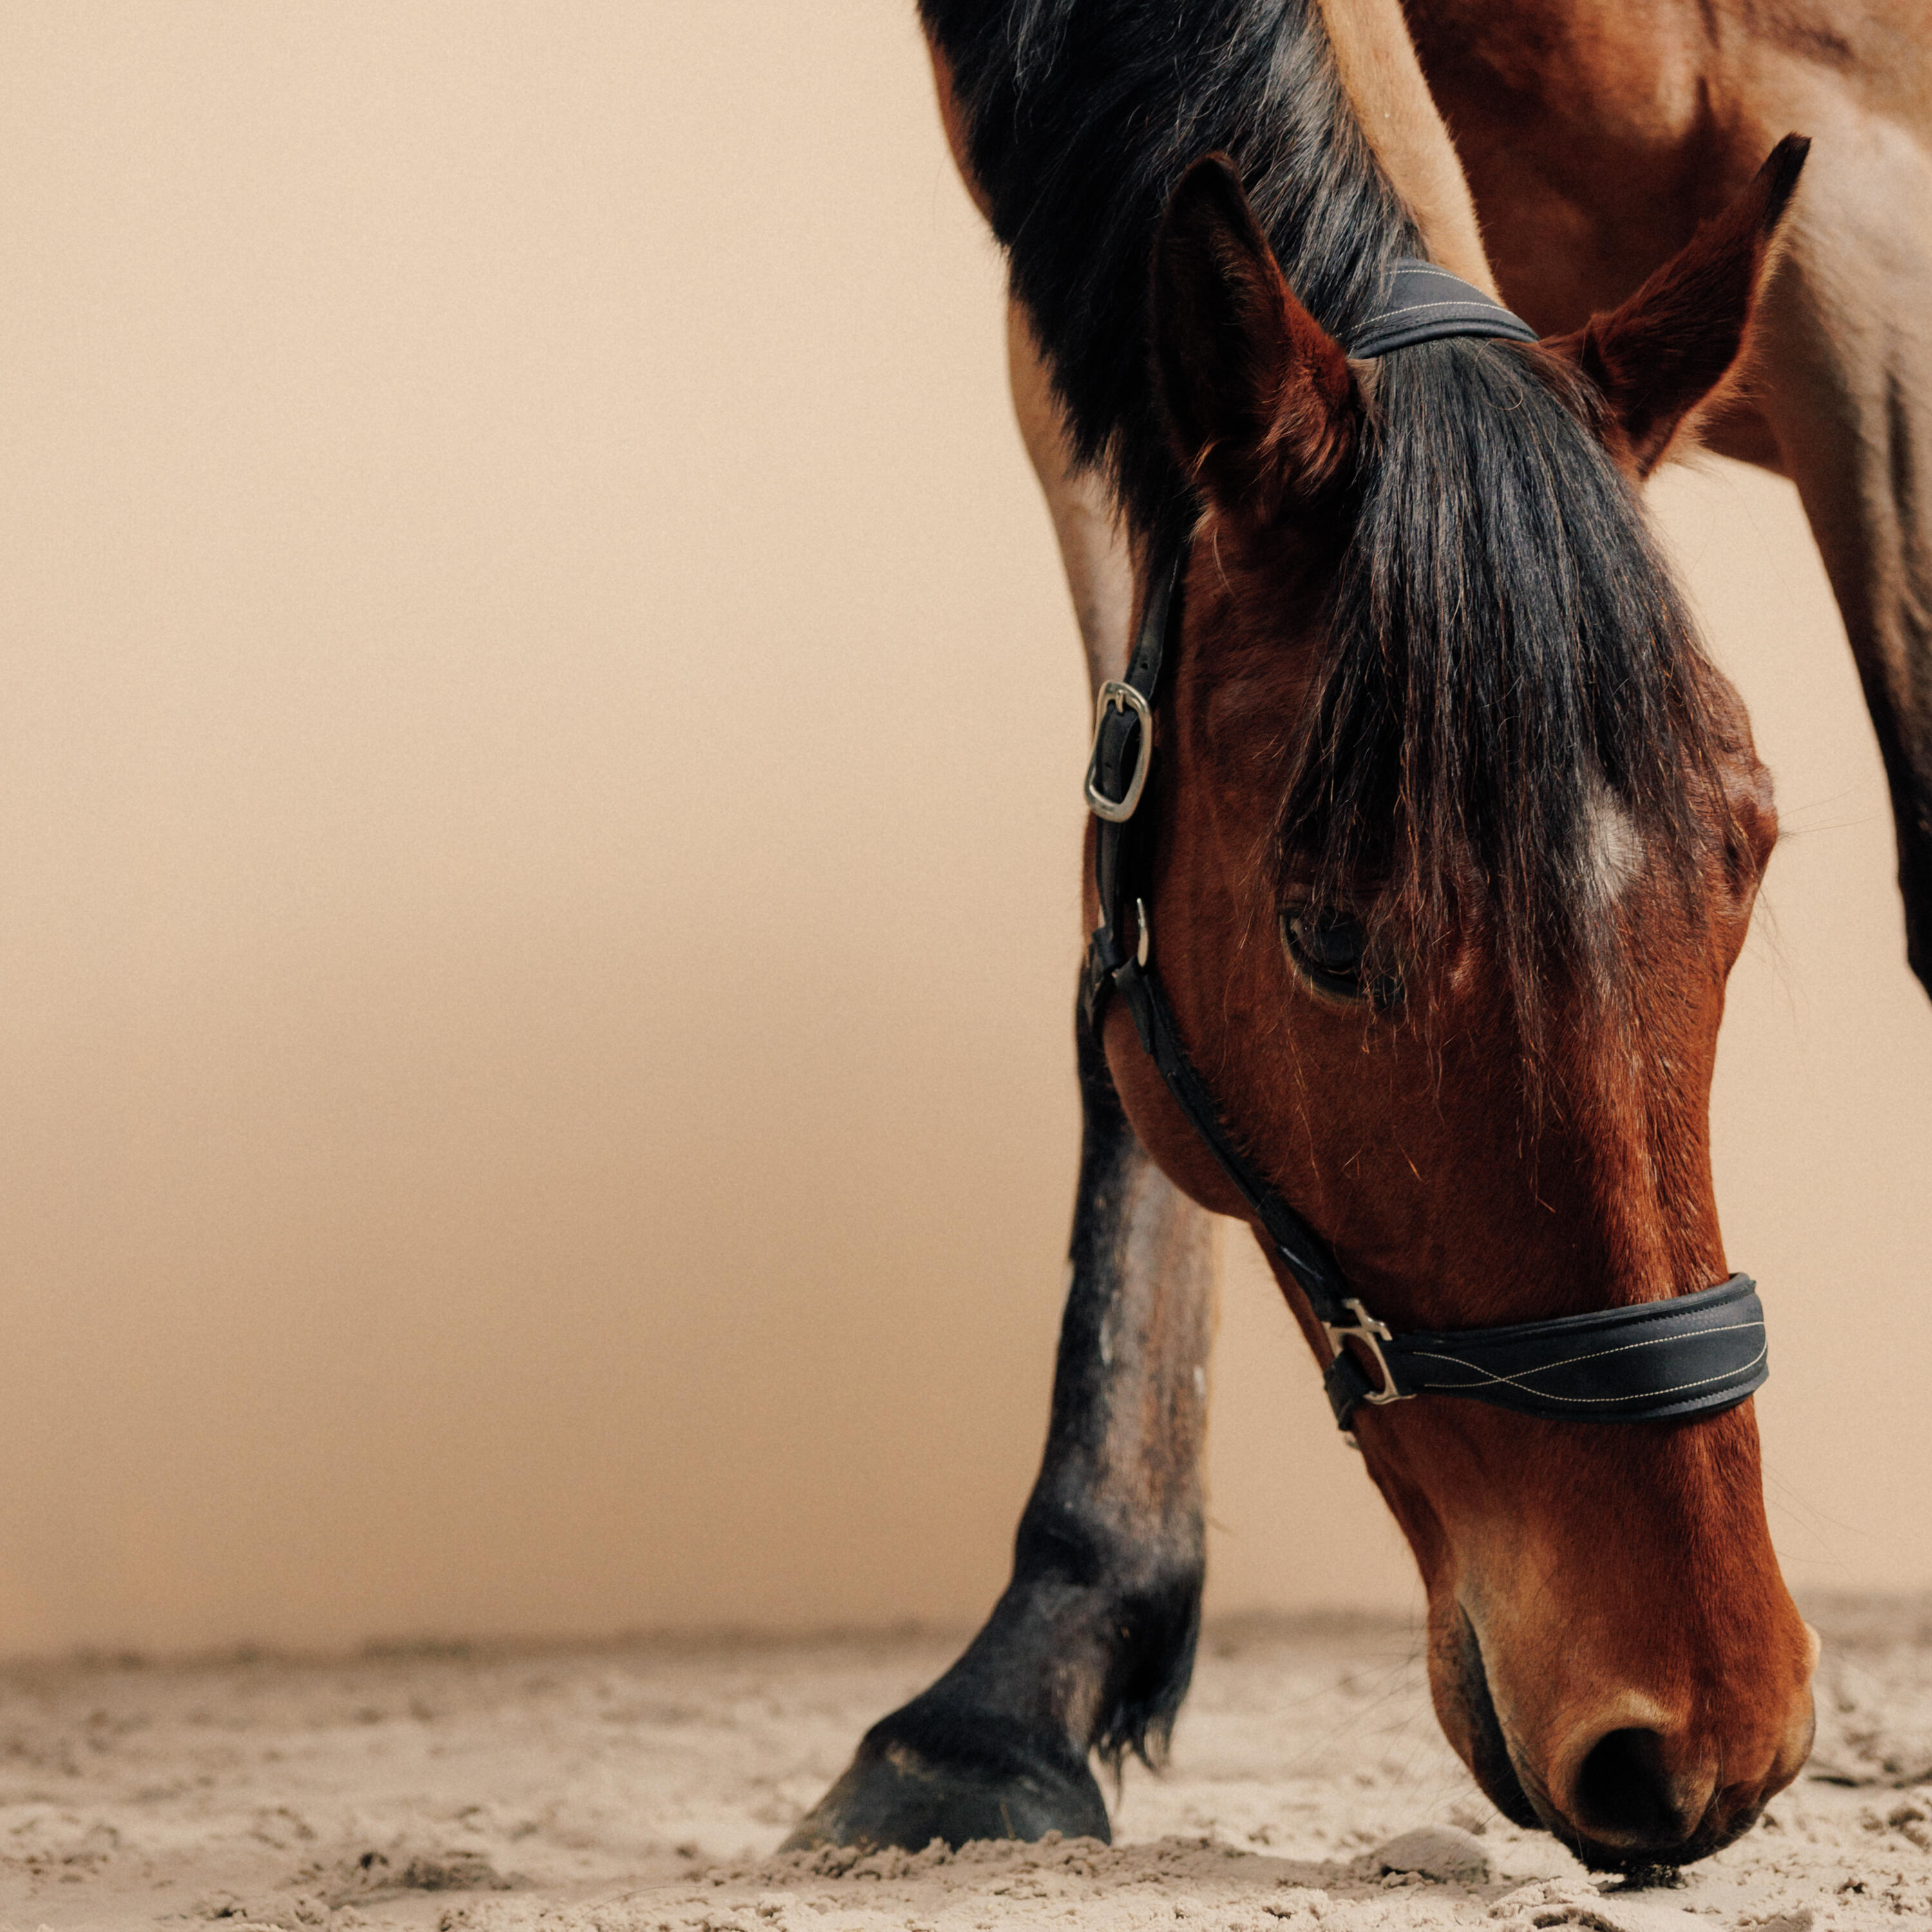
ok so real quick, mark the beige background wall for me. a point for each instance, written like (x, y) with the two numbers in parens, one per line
(538, 848)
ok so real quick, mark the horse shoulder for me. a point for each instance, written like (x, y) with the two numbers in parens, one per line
(1596, 134)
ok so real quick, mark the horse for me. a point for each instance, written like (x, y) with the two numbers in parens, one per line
(1424, 838)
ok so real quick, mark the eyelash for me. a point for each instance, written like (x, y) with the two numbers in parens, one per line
(1332, 954)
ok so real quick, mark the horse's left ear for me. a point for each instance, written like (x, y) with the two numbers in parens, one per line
(1666, 350)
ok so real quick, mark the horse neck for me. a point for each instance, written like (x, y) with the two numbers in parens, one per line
(1376, 61)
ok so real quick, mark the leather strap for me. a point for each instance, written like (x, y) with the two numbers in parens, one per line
(1422, 303)
(1122, 864)
(1687, 1356)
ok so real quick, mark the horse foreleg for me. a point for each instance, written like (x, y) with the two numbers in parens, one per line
(1091, 1646)
(1846, 363)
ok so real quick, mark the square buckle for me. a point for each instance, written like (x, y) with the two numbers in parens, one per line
(1122, 698)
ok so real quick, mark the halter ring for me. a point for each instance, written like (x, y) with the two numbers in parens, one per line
(1363, 1328)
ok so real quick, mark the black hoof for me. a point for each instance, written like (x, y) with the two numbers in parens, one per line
(922, 1774)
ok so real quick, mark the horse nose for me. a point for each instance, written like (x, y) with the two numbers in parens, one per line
(1636, 1785)
(1627, 1794)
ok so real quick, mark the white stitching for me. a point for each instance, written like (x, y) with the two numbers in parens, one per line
(1641, 1395)
(1644, 1395)
(1494, 1381)
(1416, 308)
(1593, 1354)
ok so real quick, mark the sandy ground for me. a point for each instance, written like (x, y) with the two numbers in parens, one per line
(643, 1786)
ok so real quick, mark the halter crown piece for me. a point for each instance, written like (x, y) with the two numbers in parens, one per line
(1691, 1355)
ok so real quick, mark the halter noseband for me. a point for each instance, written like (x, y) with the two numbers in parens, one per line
(1691, 1355)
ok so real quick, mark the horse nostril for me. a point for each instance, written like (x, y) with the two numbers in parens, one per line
(1624, 1793)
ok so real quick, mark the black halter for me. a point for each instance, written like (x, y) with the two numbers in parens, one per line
(1692, 1355)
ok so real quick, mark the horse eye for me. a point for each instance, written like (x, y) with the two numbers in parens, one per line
(1333, 952)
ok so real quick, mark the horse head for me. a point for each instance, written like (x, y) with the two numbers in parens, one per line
(1453, 839)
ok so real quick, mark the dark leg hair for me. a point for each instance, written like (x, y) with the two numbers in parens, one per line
(1091, 1647)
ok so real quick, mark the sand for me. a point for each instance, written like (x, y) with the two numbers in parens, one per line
(643, 1785)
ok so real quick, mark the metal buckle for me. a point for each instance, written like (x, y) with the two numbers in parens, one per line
(1372, 1334)
(1115, 696)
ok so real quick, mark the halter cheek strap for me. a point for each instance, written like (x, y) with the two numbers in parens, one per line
(1694, 1354)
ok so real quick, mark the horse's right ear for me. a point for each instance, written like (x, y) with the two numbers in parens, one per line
(1261, 406)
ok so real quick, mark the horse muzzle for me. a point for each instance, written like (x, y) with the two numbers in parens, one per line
(1625, 1781)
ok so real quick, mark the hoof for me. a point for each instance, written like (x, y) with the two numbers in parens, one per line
(914, 1780)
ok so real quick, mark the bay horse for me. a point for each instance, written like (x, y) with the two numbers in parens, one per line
(1413, 951)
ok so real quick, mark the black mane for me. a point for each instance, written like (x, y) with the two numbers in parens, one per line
(1507, 650)
(1083, 115)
